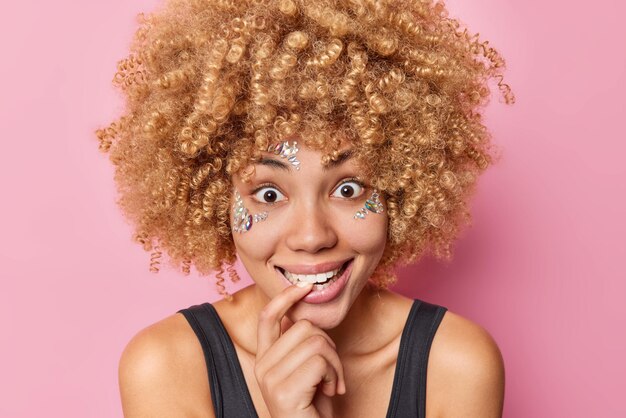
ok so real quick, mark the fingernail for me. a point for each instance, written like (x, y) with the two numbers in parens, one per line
(304, 284)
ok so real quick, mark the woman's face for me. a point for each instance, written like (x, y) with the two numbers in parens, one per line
(310, 228)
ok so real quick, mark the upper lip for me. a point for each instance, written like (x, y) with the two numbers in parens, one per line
(313, 269)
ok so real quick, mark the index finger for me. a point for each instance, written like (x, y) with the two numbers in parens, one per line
(268, 328)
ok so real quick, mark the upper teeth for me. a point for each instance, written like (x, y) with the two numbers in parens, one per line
(311, 278)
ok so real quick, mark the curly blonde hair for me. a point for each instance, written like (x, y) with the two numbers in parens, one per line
(210, 83)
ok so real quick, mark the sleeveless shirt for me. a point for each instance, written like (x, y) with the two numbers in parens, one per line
(231, 397)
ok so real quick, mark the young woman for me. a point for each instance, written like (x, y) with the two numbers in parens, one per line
(319, 142)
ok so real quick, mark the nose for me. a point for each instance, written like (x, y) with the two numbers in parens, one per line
(310, 229)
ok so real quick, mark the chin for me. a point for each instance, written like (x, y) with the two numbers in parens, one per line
(318, 317)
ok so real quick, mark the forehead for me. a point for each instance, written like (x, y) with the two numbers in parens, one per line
(290, 157)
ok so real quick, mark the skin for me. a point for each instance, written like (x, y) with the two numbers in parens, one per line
(288, 347)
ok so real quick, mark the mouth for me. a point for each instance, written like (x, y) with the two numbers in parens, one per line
(321, 280)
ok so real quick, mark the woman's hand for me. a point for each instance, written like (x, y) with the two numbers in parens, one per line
(293, 359)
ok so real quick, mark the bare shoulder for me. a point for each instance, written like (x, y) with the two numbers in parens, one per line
(465, 371)
(162, 373)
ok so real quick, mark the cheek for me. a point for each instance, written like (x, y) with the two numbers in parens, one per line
(257, 244)
(366, 236)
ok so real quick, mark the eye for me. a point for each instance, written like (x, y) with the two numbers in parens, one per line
(268, 194)
(349, 189)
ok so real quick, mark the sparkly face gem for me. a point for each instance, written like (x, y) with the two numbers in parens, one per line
(373, 204)
(242, 219)
(285, 150)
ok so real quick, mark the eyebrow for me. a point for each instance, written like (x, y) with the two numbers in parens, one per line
(341, 158)
(272, 163)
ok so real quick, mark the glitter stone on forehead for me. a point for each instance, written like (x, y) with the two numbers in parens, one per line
(285, 150)
(242, 219)
(373, 204)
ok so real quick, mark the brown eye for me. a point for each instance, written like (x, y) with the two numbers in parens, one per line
(268, 195)
(349, 189)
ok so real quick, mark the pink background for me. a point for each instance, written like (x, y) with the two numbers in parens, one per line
(539, 268)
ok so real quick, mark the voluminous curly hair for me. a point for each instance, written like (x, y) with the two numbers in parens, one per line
(210, 83)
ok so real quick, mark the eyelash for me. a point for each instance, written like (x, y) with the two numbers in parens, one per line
(273, 186)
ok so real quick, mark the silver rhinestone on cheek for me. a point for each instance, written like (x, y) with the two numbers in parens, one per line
(258, 217)
(242, 219)
(373, 204)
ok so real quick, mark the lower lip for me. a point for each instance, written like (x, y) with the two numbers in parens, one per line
(328, 294)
